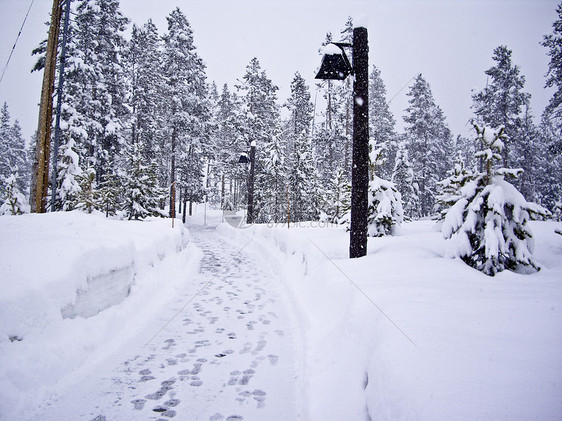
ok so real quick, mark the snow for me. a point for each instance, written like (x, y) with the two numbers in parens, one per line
(56, 267)
(402, 333)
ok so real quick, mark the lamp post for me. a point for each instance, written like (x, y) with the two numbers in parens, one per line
(244, 159)
(335, 65)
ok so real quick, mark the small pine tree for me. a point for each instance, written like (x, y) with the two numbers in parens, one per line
(385, 208)
(67, 177)
(385, 203)
(403, 178)
(142, 194)
(487, 226)
(451, 186)
(86, 199)
(14, 200)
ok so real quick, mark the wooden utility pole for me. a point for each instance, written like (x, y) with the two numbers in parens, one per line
(360, 166)
(40, 173)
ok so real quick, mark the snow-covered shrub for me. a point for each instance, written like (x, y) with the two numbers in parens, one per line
(14, 200)
(487, 226)
(385, 208)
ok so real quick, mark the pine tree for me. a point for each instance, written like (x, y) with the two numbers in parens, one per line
(338, 197)
(303, 190)
(403, 179)
(429, 142)
(86, 198)
(14, 202)
(500, 103)
(488, 225)
(13, 158)
(188, 110)
(553, 42)
(140, 184)
(449, 188)
(549, 173)
(259, 119)
(68, 174)
(381, 123)
(94, 108)
(385, 212)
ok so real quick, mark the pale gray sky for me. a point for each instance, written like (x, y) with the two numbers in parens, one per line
(449, 41)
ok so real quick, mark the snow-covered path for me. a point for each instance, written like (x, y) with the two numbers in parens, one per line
(227, 348)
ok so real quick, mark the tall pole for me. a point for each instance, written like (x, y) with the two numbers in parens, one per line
(59, 104)
(250, 217)
(40, 173)
(360, 165)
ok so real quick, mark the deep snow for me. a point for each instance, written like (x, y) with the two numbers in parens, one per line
(403, 333)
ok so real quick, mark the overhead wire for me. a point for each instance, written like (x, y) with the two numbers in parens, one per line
(16, 42)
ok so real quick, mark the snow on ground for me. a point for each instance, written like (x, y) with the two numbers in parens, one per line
(403, 333)
(53, 268)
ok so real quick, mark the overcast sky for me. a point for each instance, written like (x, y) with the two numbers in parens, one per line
(449, 41)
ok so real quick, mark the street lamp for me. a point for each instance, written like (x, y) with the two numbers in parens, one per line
(244, 159)
(335, 65)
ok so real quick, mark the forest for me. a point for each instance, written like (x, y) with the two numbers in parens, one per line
(141, 124)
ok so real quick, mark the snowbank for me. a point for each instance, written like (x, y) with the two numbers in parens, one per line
(61, 276)
(405, 333)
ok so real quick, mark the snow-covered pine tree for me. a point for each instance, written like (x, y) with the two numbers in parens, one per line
(227, 151)
(86, 197)
(553, 42)
(488, 226)
(403, 179)
(14, 202)
(68, 174)
(94, 96)
(146, 92)
(141, 193)
(429, 142)
(385, 211)
(259, 119)
(188, 109)
(449, 188)
(500, 103)
(382, 123)
(550, 173)
(338, 197)
(13, 158)
(302, 177)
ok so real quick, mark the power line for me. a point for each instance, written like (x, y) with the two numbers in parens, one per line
(16, 42)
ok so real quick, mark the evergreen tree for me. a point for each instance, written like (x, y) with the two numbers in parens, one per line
(553, 42)
(188, 110)
(381, 123)
(429, 142)
(403, 179)
(13, 156)
(303, 190)
(500, 103)
(549, 173)
(146, 86)
(14, 202)
(385, 210)
(449, 188)
(86, 197)
(140, 183)
(68, 174)
(260, 122)
(488, 225)
(94, 108)
(338, 197)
